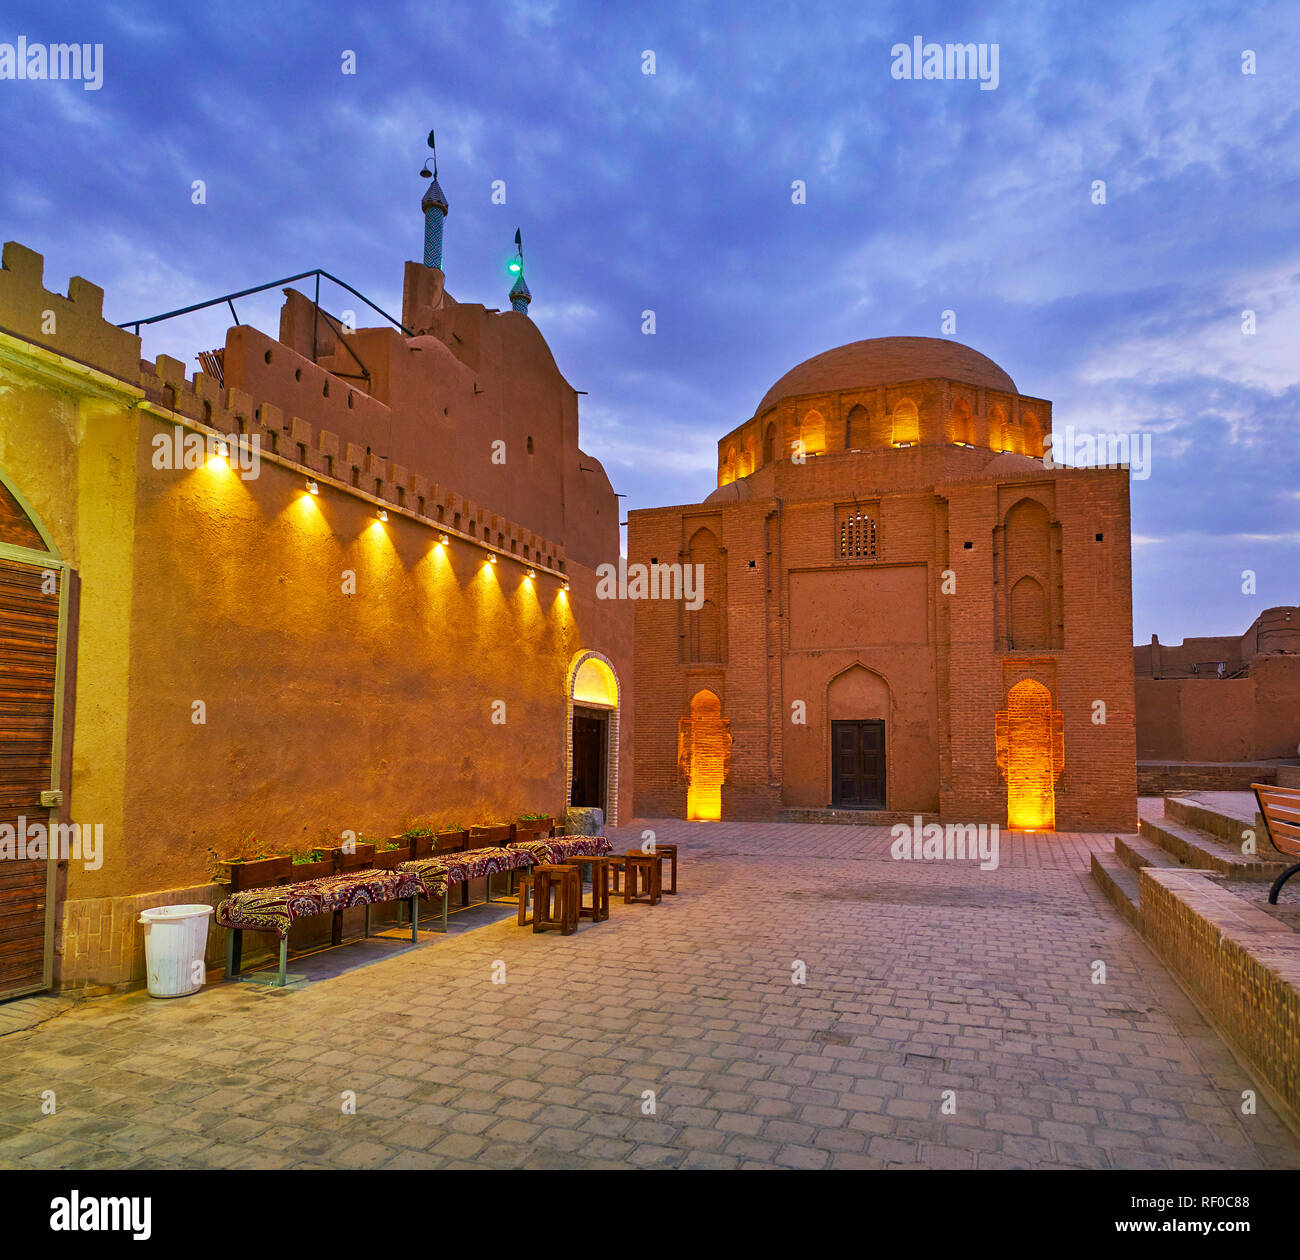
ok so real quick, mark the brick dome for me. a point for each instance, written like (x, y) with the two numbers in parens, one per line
(887, 361)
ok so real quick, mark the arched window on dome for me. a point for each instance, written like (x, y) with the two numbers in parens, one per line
(963, 424)
(998, 428)
(906, 427)
(812, 433)
(727, 469)
(857, 429)
(1031, 433)
(769, 442)
(746, 465)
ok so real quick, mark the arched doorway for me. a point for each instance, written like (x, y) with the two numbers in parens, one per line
(1031, 755)
(33, 621)
(857, 708)
(704, 756)
(592, 772)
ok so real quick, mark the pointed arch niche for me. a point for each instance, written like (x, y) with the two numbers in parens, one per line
(594, 699)
(704, 756)
(858, 730)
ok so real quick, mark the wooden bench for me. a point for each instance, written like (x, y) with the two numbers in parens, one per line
(277, 907)
(1280, 807)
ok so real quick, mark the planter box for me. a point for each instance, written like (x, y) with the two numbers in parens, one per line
(539, 826)
(491, 837)
(451, 841)
(391, 859)
(311, 870)
(258, 872)
(361, 860)
(417, 846)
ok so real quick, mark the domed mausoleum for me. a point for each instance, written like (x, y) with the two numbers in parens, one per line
(903, 609)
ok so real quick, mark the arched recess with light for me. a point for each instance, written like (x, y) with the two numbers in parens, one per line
(1030, 741)
(35, 587)
(704, 756)
(594, 697)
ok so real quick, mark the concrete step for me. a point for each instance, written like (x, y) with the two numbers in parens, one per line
(1205, 852)
(1136, 853)
(1120, 884)
(1288, 776)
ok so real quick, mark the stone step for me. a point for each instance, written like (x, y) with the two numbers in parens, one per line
(1225, 815)
(1136, 853)
(1203, 851)
(1120, 884)
(854, 817)
(1288, 776)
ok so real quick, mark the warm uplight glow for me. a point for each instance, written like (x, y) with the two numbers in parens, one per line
(594, 683)
(313, 488)
(704, 752)
(1031, 755)
(220, 457)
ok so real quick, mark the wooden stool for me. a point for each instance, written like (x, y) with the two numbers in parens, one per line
(598, 911)
(616, 867)
(642, 882)
(525, 884)
(555, 898)
(668, 851)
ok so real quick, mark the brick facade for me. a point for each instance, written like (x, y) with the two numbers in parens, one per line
(989, 567)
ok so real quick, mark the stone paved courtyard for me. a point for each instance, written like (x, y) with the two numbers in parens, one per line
(921, 978)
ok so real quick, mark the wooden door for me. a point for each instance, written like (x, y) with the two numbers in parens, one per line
(858, 765)
(589, 750)
(29, 641)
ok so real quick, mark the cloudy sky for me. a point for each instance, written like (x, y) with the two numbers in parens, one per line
(671, 192)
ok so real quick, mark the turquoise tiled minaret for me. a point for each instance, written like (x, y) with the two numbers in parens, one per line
(520, 296)
(434, 205)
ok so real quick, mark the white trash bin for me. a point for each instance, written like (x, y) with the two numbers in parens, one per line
(175, 938)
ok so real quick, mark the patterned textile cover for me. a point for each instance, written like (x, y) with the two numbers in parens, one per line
(436, 873)
(275, 909)
(559, 848)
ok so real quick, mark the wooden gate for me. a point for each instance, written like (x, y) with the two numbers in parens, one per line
(32, 617)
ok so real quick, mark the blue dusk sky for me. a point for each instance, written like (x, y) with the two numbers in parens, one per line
(672, 192)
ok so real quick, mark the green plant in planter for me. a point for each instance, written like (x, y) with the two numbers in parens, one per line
(417, 833)
(530, 817)
(391, 845)
(453, 826)
(305, 859)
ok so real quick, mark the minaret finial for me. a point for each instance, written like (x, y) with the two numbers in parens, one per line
(519, 293)
(434, 205)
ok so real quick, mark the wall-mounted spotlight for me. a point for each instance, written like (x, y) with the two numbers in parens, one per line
(383, 514)
(532, 573)
(566, 586)
(443, 540)
(492, 559)
(312, 487)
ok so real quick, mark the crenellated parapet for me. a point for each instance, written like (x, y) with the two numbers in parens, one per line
(74, 326)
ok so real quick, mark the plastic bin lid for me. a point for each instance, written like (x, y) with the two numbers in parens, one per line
(160, 914)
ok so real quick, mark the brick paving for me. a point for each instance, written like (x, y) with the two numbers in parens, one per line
(925, 981)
